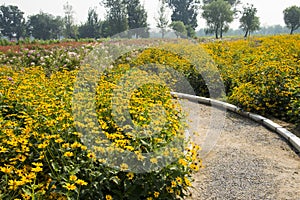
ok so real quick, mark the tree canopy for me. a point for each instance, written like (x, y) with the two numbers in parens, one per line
(218, 14)
(185, 11)
(231, 2)
(92, 27)
(249, 21)
(292, 18)
(45, 26)
(137, 17)
(116, 16)
(179, 27)
(12, 22)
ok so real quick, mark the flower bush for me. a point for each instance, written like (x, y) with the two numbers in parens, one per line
(43, 149)
(51, 59)
(261, 74)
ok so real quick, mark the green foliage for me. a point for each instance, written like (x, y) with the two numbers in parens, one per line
(249, 21)
(218, 14)
(231, 2)
(116, 19)
(179, 27)
(92, 28)
(292, 18)
(12, 22)
(137, 17)
(185, 11)
(45, 26)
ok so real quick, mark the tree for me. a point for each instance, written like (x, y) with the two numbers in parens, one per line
(292, 18)
(249, 21)
(12, 22)
(179, 27)
(185, 11)
(234, 5)
(70, 28)
(162, 21)
(231, 2)
(116, 16)
(92, 28)
(218, 14)
(137, 17)
(45, 26)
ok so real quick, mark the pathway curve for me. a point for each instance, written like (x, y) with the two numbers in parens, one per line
(247, 162)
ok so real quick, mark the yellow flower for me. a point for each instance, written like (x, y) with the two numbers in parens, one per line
(108, 197)
(28, 177)
(37, 169)
(182, 162)
(43, 145)
(187, 181)
(81, 182)
(130, 175)
(69, 186)
(6, 170)
(140, 157)
(153, 160)
(13, 184)
(156, 194)
(173, 184)
(123, 167)
(37, 164)
(179, 180)
(83, 148)
(169, 189)
(3, 149)
(26, 196)
(91, 156)
(68, 154)
(65, 145)
(73, 178)
(59, 140)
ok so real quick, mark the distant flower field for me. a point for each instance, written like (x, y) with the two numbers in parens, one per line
(42, 153)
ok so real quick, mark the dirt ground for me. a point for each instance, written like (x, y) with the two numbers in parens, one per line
(242, 159)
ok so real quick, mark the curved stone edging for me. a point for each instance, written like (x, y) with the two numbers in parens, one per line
(289, 136)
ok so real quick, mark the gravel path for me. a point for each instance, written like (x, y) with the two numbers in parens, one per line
(247, 162)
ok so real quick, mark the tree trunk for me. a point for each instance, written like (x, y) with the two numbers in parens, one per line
(221, 33)
(246, 34)
(216, 32)
(292, 30)
(163, 32)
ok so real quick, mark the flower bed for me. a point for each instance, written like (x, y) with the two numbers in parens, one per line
(43, 148)
(261, 74)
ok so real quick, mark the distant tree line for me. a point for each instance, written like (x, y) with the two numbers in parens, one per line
(123, 15)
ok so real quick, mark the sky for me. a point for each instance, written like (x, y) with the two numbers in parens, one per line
(269, 11)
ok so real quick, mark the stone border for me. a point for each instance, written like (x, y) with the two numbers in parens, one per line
(289, 136)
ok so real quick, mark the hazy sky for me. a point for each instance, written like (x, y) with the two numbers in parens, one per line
(269, 11)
